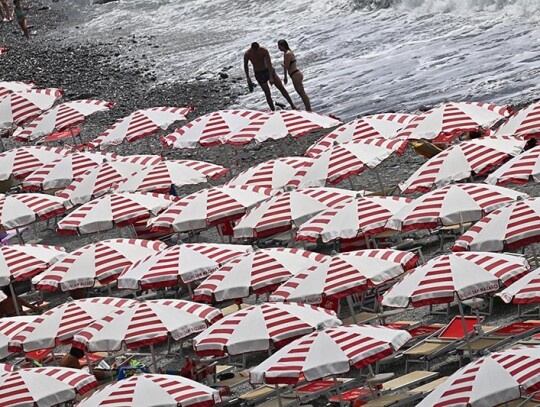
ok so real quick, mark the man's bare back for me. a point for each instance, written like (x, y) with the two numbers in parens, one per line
(258, 58)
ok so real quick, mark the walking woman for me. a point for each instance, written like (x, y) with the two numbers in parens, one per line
(290, 68)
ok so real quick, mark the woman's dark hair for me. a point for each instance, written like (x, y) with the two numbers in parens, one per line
(284, 44)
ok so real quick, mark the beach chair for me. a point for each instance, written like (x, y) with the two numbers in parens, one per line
(441, 342)
(258, 395)
(425, 148)
(233, 308)
(495, 338)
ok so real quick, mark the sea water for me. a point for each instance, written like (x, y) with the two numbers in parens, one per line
(358, 57)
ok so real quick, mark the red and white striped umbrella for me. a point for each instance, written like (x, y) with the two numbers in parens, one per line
(61, 117)
(153, 390)
(211, 129)
(492, 380)
(279, 124)
(5, 368)
(59, 324)
(22, 209)
(184, 263)
(18, 107)
(209, 207)
(450, 120)
(369, 213)
(456, 276)
(329, 352)
(112, 210)
(274, 174)
(385, 126)
(21, 161)
(7, 87)
(168, 173)
(22, 261)
(98, 181)
(139, 124)
(146, 323)
(518, 170)
(258, 272)
(344, 160)
(261, 327)
(44, 386)
(287, 210)
(514, 225)
(477, 156)
(102, 261)
(524, 291)
(526, 123)
(345, 274)
(452, 205)
(9, 328)
(62, 171)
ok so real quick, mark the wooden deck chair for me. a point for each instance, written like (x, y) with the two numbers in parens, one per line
(425, 148)
(495, 338)
(324, 387)
(233, 308)
(259, 394)
(408, 380)
(441, 342)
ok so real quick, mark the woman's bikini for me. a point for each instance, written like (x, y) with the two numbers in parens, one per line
(295, 71)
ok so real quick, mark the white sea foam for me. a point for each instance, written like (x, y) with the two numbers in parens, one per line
(355, 59)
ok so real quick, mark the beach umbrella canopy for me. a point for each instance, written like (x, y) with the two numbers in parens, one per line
(22, 209)
(154, 390)
(14, 86)
(22, 261)
(518, 170)
(209, 207)
(61, 117)
(279, 124)
(44, 386)
(211, 129)
(450, 120)
(385, 126)
(345, 274)
(184, 263)
(329, 352)
(258, 272)
(526, 290)
(452, 205)
(274, 174)
(102, 261)
(286, 210)
(171, 173)
(16, 108)
(261, 327)
(514, 225)
(360, 216)
(112, 210)
(477, 156)
(59, 324)
(64, 170)
(9, 328)
(146, 323)
(526, 123)
(492, 380)
(456, 276)
(22, 161)
(98, 181)
(139, 124)
(344, 160)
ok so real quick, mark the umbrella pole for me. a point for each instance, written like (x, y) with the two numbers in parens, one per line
(90, 368)
(14, 298)
(154, 362)
(535, 256)
(351, 308)
(21, 240)
(280, 402)
(469, 348)
(190, 290)
(379, 180)
(336, 385)
(73, 136)
(149, 145)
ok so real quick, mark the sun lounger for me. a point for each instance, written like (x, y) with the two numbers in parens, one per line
(259, 394)
(519, 402)
(238, 379)
(444, 341)
(408, 380)
(233, 308)
(495, 338)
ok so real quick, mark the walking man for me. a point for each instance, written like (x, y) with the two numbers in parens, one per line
(264, 73)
